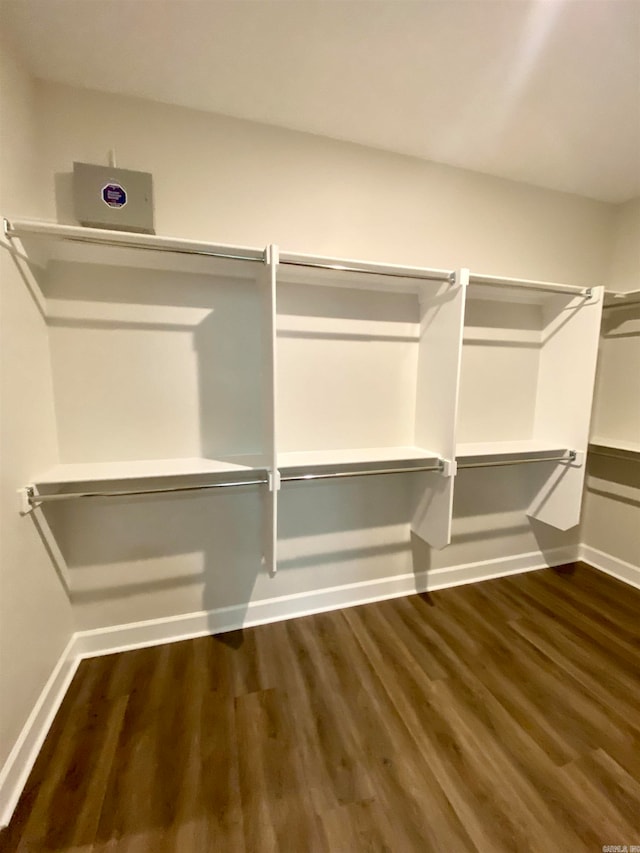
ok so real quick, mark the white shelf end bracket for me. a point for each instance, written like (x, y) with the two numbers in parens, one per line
(448, 467)
(273, 480)
(26, 497)
(272, 255)
(593, 295)
(459, 278)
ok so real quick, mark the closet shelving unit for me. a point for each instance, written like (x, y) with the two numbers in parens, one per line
(303, 368)
(368, 360)
(127, 313)
(528, 366)
(616, 420)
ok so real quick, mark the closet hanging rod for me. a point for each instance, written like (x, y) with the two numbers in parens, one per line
(290, 478)
(426, 275)
(128, 240)
(571, 457)
(525, 284)
(35, 499)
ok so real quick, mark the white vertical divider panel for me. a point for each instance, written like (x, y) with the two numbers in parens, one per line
(439, 358)
(269, 378)
(564, 398)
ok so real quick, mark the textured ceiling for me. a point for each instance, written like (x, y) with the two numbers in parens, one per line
(546, 92)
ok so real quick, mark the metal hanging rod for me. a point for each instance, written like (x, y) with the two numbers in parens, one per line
(122, 239)
(290, 478)
(34, 498)
(153, 242)
(426, 275)
(525, 284)
(571, 457)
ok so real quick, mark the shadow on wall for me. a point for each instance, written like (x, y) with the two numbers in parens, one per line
(617, 479)
(132, 559)
(345, 531)
(228, 344)
(63, 183)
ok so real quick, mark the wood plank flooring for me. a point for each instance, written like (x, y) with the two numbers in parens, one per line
(502, 716)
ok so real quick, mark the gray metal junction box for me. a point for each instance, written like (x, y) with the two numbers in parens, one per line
(119, 199)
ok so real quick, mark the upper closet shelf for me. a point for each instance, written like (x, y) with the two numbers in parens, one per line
(621, 299)
(66, 242)
(71, 242)
(501, 287)
(344, 272)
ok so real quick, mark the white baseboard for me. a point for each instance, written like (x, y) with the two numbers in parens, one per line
(619, 569)
(135, 635)
(16, 769)
(489, 569)
(117, 638)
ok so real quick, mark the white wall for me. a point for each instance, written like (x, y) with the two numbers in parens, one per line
(35, 613)
(624, 268)
(612, 499)
(237, 182)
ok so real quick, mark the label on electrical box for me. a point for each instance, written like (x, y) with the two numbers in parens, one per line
(114, 195)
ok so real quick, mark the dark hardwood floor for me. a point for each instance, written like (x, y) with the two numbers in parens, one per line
(502, 716)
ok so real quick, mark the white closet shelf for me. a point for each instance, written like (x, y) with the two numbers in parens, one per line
(543, 288)
(622, 447)
(359, 457)
(477, 451)
(69, 242)
(144, 469)
(621, 299)
(348, 272)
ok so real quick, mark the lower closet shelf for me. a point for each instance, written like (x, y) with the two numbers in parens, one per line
(141, 477)
(355, 461)
(617, 448)
(144, 469)
(505, 451)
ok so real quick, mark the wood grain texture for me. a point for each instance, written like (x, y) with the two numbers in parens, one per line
(493, 717)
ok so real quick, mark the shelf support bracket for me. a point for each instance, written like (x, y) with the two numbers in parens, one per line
(272, 255)
(448, 467)
(27, 497)
(274, 480)
(459, 278)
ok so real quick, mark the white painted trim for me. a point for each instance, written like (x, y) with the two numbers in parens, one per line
(620, 569)
(16, 769)
(135, 635)
(118, 638)
(485, 570)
